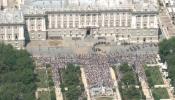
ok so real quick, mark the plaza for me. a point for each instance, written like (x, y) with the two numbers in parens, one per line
(94, 63)
(93, 34)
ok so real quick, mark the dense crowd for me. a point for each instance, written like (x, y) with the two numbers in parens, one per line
(138, 61)
(96, 66)
(97, 71)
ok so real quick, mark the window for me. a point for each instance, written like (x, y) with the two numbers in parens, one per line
(39, 36)
(39, 19)
(39, 28)
(145, 16)
(145, 25)
(138, 16)
(32, 28)
(128, 36)
(16, 37)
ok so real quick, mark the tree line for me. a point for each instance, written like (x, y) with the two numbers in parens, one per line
(17, 78)
(167, 54)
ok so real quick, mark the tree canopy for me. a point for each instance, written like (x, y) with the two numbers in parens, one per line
(167, 53)
(128, 82)
(17, 78)
(71, 80)
(127, 74)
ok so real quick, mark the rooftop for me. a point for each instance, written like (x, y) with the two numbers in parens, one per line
(11, 17)
(40, 6)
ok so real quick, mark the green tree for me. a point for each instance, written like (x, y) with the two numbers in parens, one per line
(71, 85)
(17, 78)
(167, 53)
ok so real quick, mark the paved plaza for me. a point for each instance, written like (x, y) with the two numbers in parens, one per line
(96, 64)
(97, 35)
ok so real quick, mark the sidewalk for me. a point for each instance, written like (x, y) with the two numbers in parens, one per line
(146, 90)
(85, 83)
(117, 94)
(144, 84)
(167, 84)
(58, 93)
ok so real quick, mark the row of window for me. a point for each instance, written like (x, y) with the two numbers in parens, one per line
(138, 25)
(33, 37)
(151, 19)
(33, 19)
(106, 24)
(93, 15)
(9, 27)
(87, 18)
(32, 28)
(34, 22)
(9, 37)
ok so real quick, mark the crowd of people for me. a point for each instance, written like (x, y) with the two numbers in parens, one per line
(96, 66)
(137, 60)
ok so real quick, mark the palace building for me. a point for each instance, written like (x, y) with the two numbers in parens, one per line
(131, 21)
(12, 28)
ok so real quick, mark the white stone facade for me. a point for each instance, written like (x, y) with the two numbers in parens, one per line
(35, 27)
(128, 21)
(116, 25)
(12, 34)
(12, 28)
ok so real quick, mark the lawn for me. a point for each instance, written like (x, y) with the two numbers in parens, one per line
(131, 93)
(160, 93)
(44, 95)
(42, 78)
(127, 84)
(45, 81)
(71, 84)
(153, 75)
